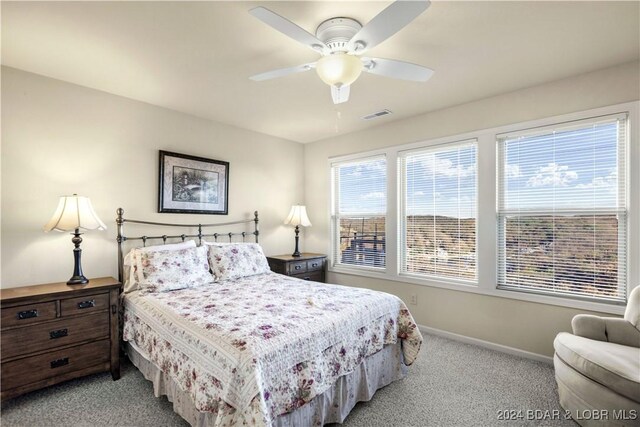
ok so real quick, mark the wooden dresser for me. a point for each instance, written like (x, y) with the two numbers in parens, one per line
(307, 266)
(55, 332)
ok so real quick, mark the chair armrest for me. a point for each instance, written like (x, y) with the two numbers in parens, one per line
(610, 329)
(589, 326)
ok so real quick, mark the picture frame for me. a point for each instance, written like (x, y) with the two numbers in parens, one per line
(193, 185)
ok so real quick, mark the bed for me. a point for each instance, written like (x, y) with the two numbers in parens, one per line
(241, 345)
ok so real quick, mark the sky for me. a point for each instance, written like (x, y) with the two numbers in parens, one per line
(573, 169)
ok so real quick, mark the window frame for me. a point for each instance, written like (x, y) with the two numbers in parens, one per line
(486, 219)
(622, 169)
(402, 227)
(334, 216)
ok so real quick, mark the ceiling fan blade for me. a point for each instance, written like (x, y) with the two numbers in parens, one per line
(397, 69)
(288, 28)
(274, 74)
(385, 24)
(340, 94)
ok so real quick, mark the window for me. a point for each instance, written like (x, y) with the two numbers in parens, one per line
(359, 212)
(438, 211)
(562, 209)
(544, 211)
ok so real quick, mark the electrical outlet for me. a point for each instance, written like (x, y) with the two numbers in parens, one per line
(414, 299)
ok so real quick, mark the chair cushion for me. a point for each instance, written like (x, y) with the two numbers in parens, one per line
(613, 365)
(632, 314)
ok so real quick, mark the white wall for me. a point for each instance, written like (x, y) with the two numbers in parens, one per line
(59, 138)
(525, 325)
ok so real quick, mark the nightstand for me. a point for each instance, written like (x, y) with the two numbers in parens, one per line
(55, 332)
(308, 266)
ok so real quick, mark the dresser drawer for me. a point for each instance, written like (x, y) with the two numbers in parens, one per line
(297, 267)
(83, 305)
(36, 368)
(30, 339)
(27, 314)
(315, 264)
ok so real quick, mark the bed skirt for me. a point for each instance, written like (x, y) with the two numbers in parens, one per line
(332, 406)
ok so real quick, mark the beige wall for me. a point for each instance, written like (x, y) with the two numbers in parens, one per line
(524, 325)
(59, 138)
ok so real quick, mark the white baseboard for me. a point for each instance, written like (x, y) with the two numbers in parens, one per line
(487, 344)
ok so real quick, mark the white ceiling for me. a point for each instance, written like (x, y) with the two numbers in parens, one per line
(196, 57)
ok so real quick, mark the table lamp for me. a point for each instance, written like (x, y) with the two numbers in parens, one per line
(298, 217)
(75, 213)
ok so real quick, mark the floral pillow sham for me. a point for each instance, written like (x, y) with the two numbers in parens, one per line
(235, 260)
(131, 277)
(163, 271)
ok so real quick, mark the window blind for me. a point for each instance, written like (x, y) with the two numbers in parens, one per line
(438, 211)
(359, 212)
(562, 209)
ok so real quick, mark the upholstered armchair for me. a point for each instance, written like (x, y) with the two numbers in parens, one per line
(598, 367)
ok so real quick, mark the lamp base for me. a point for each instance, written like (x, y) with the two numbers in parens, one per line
(78, 280)
(296, 252)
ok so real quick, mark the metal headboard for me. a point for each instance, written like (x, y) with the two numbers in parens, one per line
(120, 220)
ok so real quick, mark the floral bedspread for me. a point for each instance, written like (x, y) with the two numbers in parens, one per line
(254, 348)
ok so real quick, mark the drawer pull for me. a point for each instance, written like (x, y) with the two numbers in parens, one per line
(307, 278)
(297, 267)
(315, 264)
(87, 304)
(58, 334)
(60, 362)
(27, 314)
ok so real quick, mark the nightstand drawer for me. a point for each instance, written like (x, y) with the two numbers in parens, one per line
(315, 264)
(27, 314)
(19, 341)
(297, 267)
(314, 276)
(307, 266)
(36, 368)
(83, 305)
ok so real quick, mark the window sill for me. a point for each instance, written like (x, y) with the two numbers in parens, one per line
(465, 286)
(378, 273)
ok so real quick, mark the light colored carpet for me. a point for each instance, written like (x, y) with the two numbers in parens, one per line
(451, 384)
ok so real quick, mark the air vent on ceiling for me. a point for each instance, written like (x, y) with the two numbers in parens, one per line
(376, 115)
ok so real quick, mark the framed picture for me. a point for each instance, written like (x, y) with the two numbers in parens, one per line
(190, 184)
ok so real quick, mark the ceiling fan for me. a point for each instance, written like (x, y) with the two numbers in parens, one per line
(342, 40)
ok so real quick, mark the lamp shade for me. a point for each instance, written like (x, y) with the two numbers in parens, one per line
(74, 212)
(298, 216)
(339, 69)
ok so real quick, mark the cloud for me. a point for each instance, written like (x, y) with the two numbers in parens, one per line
(373, 195)
(433, 164)
(609, 181)
(552, 174)
(513, 171)
(375, 166)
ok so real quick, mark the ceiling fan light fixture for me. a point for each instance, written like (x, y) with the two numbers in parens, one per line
(339, 69)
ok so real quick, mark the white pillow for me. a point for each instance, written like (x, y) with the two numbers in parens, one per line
(235, 260)
(131, 279)
(204, 242)
(164, 271)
